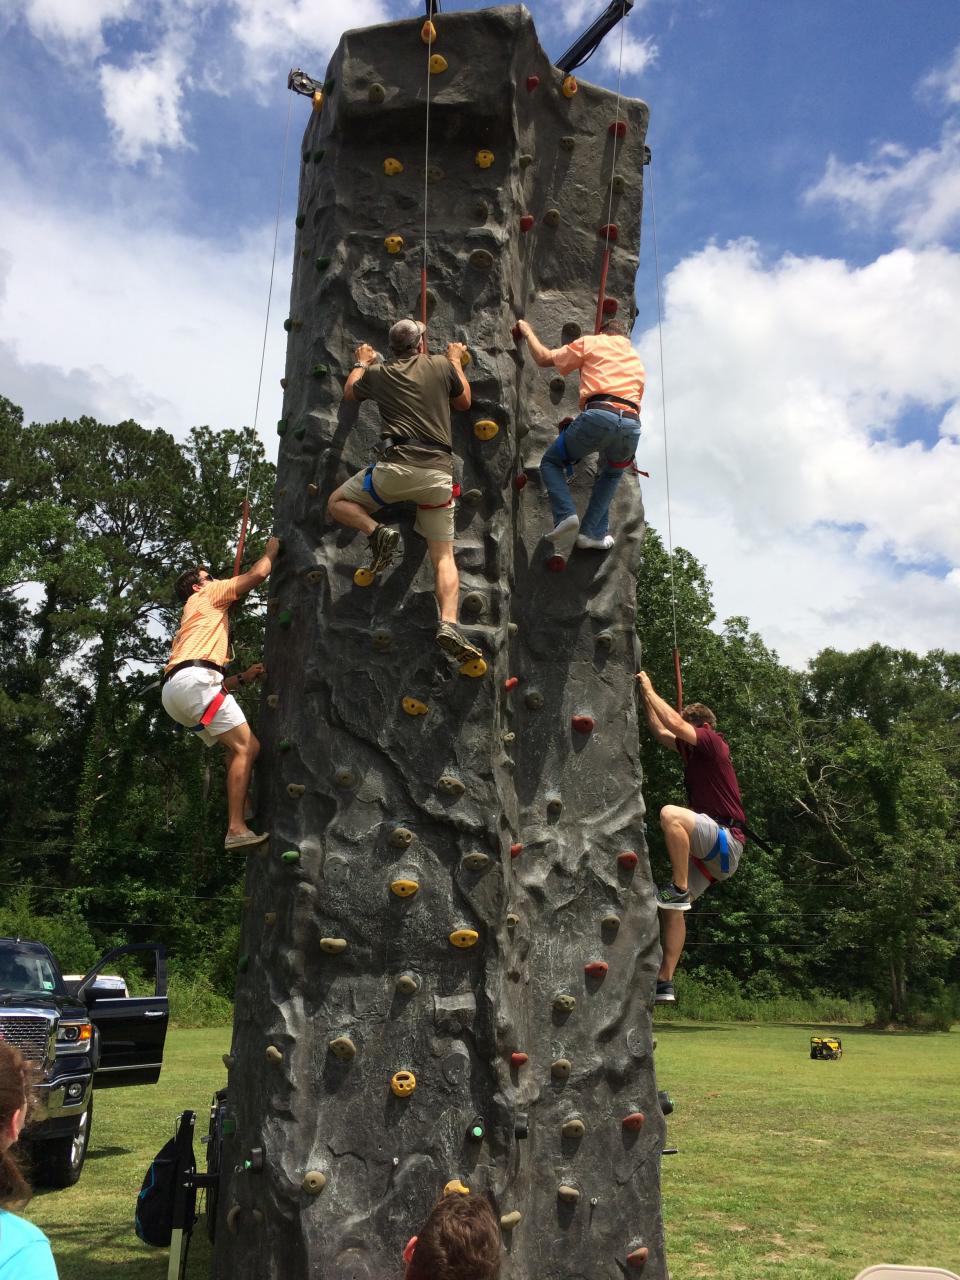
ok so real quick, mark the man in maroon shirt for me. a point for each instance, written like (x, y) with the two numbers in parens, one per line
(704, 841)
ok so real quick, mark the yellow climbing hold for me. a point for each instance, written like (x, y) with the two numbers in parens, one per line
(465, 359)
(569, 87)
(313, 1182)
(510, 1220)
(428, 33)
(393, 244)
(391, 166)
(474, 667)
(318, 100)
(363, 578)
(414, 707)
(333, 946)
(483, 159)
(438, 64)
(404, 888)
(273, 1054)
(403, 1083)
(464, 938)
(485, 428)
(455, 1188)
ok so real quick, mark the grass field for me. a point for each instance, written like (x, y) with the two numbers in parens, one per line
(788, 1168)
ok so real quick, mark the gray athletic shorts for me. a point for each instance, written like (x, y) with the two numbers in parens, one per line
(701, 842)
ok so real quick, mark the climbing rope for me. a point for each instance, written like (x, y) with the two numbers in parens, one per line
(666, 451)
(426, 186)
(602, 291)
(245, 518)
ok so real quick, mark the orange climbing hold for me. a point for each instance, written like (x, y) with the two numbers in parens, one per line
(511, 682)
(483, 159)
(403, 1083)
(428, 33)
(628, 859)
(404, 888)
(392, 166)
(438, 64)
(518, 1059)
(582, 724)
(516, 850)
(634, 1121)
(596, 968)
(617, 129)
(464, 938)
(638, 1258)
(455, 1188)
(318, 100)
(569, 86)
(414, 707)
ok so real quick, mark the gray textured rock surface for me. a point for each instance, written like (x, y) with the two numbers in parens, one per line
(509, 820)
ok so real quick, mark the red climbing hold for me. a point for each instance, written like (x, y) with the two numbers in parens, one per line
(527, 221)
(628, 859)
(520, 481)
(515, 333)
(517, 1059)
(511, 682)
(610, 306)
(516, 850)
(609, 233)
(556, 564)
(532, 82)
(638, 1257)
(618, 129)
(596, 968)
(634, 1121)
(582, 724)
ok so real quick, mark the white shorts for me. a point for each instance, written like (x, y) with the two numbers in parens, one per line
(187, 695)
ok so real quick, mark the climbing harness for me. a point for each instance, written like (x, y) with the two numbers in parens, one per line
(213, 706)
(721, 849)
(368, 487)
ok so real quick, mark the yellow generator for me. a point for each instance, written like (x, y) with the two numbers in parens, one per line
(825, 1047)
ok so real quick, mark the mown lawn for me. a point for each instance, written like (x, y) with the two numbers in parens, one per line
(787, 1168)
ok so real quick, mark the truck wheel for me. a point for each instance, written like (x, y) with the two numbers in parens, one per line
(58, 1162)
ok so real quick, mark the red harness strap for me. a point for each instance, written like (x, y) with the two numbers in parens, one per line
(621, 466)
(435, 506)
(216, 702)
(702, 867)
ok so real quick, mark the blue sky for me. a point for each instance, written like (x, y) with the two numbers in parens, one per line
(807, 180)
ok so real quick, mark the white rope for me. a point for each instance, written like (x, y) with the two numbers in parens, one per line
(613, 166)
(663, 408)
(266, 323)
(426, 155)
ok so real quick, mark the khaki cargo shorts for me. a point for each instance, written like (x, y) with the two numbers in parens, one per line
(430, 488)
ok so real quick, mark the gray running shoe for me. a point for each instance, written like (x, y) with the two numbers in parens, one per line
(665, 993)
(383, 543)
(670, 898)
(456, 645)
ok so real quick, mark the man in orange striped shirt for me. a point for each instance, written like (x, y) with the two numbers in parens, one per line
(612, 378)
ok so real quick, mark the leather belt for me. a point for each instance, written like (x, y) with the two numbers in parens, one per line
(607, 398)
(613, 408)
(192, 662)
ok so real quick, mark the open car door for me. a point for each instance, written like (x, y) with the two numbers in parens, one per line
(131, 1029)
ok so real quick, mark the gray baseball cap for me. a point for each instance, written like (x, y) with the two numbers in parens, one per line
(406, 334)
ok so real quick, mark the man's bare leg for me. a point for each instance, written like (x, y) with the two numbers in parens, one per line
(447, 579)
(349, 513)
(673, 934)
(678, 826)
(242, 749)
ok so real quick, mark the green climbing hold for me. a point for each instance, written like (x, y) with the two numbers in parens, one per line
(229, 1127)
(319, 371)
(284, 744)
(322, 264)
(288, 324)
(329, 86)
(300, 220)
(318, 156)
(243, 964)
(291, 856)
(282, 425)
(299, 433)
(285, 618)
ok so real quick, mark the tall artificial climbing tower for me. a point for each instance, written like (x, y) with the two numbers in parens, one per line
(450, 942)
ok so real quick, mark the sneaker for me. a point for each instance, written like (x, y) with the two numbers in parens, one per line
(670, 898)
(383, 543)
(665, 993)
(246, 840)
(567, 527)
(595, 544)
(456, 645)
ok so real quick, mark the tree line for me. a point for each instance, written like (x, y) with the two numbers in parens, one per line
(110, 820)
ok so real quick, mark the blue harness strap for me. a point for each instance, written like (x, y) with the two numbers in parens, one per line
(368, 485)
(722, 847)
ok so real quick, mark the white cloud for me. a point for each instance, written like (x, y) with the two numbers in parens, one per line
(164, 327)
(785, 385)
(283, 33)
(944, 83)
(143, 103)
(72, 26)
(636, 54)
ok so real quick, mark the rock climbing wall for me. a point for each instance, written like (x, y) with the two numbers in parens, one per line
(449, 946)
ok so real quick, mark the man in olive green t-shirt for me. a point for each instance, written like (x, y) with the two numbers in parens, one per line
(414, 392)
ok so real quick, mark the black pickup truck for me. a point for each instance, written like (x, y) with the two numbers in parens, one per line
(84, 1034)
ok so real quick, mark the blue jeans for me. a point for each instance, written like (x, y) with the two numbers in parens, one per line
(598, 431)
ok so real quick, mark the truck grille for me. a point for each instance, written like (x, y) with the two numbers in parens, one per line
(27, 1033)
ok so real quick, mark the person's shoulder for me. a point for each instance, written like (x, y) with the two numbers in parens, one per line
(24, 1249)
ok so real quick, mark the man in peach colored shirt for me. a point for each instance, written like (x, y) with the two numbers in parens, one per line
(196, 690)
(611, 386)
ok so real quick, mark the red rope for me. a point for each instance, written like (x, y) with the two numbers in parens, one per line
(678, 678)
(602, 297)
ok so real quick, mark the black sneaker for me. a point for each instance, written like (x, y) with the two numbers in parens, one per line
(456, 645)
(670, 898)
(665, 993)
(383, 543)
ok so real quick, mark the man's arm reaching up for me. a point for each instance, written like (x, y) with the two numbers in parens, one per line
(665, 724)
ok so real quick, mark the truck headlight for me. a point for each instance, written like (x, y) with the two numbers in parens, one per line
(74, 1037)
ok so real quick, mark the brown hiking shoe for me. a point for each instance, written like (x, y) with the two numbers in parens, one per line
(456, 645)
(383, 543)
